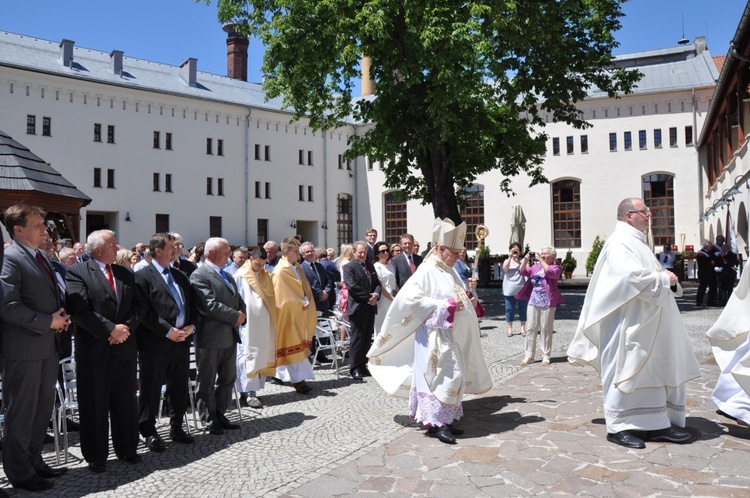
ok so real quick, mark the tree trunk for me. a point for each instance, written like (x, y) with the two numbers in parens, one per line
(438, 176)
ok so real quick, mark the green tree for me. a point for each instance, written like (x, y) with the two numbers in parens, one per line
(596, 248)
(460, 85)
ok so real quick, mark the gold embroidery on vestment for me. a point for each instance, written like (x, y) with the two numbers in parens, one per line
(434, 360)
(384, 340)
(406, 321)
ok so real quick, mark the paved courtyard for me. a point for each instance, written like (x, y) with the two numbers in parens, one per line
(540, 430)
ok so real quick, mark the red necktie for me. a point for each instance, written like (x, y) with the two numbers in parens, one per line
(411, 264)
(110, 278)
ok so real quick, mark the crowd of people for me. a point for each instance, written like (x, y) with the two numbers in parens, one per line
(250, 315)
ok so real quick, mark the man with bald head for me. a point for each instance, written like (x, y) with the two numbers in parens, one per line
(630, 330)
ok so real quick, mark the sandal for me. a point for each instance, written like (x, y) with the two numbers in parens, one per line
(509, 334)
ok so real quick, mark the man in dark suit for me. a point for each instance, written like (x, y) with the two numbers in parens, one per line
(216, 341)
(364, 291)
(179, 261)
(317, 277)
(371, 235)
(164, 338)
(106, 307)
(80, 251)
(406, 263)
(32, 315)
(333, 274)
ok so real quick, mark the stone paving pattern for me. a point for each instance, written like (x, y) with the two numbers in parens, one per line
(540, 430)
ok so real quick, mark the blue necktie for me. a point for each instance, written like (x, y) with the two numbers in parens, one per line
(175, 293)
(226, 280)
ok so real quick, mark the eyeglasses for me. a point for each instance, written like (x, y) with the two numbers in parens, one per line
(641, 211)
(382, 251)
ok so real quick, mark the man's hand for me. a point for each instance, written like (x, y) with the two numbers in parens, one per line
(119, 334)
(241, 319)
(672, 277)
(373, 299)
(60, 321)
(324, 296)
(177, 335)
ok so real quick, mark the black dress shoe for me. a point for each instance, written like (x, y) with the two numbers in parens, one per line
(48, 472)
(357, 375)
(445, 435)
(366, 372)
(626, 439)
(179, 435)
(225, 423)
(455, 430)
(49, 439)
(97, 468)
(243, 401)
(670, 435)
(132, 459)
(215, 429)
(72, 425)
(34, 483)
(155, 443)
(275, 380)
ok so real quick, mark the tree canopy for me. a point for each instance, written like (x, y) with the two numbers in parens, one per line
(460, 86)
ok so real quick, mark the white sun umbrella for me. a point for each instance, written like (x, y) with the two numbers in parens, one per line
(517, 226)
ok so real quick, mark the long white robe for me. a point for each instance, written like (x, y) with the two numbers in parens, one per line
(630, 330)
(730, 342)
(449, 358)
(257, 349)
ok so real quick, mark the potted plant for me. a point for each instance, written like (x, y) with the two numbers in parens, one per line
(596, 248)
(569, 265)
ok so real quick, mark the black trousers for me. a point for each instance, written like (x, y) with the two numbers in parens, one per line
(706, 280)
(360, 336)
(156, 371)
(107, 394)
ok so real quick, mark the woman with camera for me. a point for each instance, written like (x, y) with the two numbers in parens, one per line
(513, 282)
(544, 298)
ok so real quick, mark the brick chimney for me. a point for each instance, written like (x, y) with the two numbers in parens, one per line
(236, 53)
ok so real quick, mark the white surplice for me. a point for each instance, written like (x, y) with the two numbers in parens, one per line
(730, 342)
(425, 353)
(257, 350)
(630, 330)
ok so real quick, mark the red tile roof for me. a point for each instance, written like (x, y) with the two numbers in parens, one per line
(719, 61)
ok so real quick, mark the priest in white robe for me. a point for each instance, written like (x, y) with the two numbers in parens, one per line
(730, 342)
(256, 354)
(428, 349)
(630, 330)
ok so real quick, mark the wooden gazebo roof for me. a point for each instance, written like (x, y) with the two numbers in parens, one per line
(25, 177)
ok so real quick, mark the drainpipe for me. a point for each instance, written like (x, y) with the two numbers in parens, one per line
(700, 169)
(325, 188)
(353, 176)
(247, 176)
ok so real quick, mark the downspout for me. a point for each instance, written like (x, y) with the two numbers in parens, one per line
(355, 217)
(700, 169)
(247, 176)
(325, 189)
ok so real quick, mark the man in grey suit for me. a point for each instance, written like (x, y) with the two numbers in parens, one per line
(217, 337)
(32, 314)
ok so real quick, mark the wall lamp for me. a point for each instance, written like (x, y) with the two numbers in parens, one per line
(127, 216)
(324, 226)
(293, 224)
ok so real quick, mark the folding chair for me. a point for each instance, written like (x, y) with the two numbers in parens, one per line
(67, 396)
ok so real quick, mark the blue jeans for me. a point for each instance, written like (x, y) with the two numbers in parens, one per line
(510, 304)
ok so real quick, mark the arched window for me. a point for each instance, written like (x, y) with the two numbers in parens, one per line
(394, 213)
(658, 194)
(566, 213)
(344, 219)
(473, 213)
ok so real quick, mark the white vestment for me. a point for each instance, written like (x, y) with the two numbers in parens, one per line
(447, 360)
(730, 342)
(630, 330)
(257, 349)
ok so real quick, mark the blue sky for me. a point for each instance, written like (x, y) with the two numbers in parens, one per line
(170, 31)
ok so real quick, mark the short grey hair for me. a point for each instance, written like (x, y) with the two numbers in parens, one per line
(625, 206)
(270, 245)
(213, 243)
(176, 236)
(552, 249)
(96, 239)
(65, 252)
(307, 244)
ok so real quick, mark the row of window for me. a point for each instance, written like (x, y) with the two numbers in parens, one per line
(157, 182)
(658, 194)
(309, 193)
(31, 125)
(627, 141)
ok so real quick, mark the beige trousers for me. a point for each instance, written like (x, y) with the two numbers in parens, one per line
(540, 318)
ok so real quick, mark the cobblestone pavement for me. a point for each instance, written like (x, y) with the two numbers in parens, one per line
(540, 430)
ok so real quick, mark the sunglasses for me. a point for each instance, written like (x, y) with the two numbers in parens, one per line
(382, 251)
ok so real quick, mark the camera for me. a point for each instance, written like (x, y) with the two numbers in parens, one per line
(532, 255)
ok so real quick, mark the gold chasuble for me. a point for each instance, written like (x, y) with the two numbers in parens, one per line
(295, 326)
